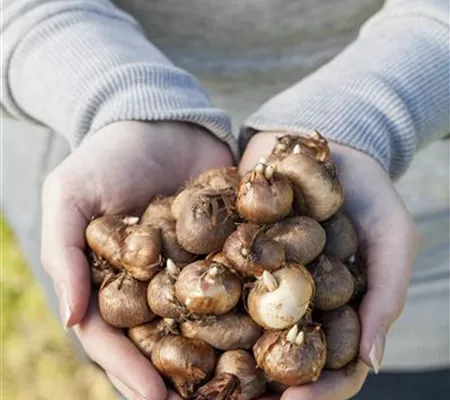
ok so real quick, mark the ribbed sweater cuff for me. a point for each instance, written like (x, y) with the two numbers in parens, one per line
(386, 94)
(147, 93)
(78, 65)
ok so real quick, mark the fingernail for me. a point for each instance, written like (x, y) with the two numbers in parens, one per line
(376, 352)
(65, 310)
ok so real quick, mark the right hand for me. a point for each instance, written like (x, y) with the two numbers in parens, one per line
(116, 171)
(388, 240)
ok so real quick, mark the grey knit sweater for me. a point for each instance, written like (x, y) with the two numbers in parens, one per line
(77, 65)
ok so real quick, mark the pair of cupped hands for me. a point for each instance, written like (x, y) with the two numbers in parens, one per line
(122, 166)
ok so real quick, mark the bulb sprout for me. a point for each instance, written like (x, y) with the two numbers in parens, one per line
(270, 170)
(300, 338)
(172, 269)
(259, 168)
(281, 147)
(130, 220)
(292, 334)
(270, 281)
(170, 322)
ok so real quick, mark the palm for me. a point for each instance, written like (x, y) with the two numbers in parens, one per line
(116, 171)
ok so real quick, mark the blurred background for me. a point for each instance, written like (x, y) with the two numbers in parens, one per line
(38, 361)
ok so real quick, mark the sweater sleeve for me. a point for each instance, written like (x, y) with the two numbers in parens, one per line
(78, 65)
(386, 94)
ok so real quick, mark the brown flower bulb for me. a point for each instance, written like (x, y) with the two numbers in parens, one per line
(342, 332)
(225, 332)
(122, 302)
(251, 252)
(264, 195)
(333, 281)
(240, 363)
(206, 287)
(302, 237)
(186, 362)
(206, 221)
(281, 299)
(292, 357)
(314, 174)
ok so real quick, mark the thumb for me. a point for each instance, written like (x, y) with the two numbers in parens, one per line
(62, 249)
(259, 146)
(389, 255)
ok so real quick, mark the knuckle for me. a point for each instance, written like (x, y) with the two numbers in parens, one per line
(397, 307)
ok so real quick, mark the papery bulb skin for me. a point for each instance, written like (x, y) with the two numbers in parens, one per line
(333, 282)
(309, 167)
(146, 335)
(302, 237)
(264, 195)
(214, 179)
(171, 248)
(207, 287)
(342, 241)
(186, 362)
(140, 253)
(242, 364)
(161, 294)
(206, 221)
(343, 333)
(105, 235)
(221, 387)
(226, 332)
(251, 252)
(292, 357)
(122, 302)
(159, 207)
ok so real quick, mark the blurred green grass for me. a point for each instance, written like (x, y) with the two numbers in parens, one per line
(38, 362)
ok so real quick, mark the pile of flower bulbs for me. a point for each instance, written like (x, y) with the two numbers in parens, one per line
(238, 285)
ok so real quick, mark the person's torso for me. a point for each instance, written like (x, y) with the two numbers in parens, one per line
(245, 51)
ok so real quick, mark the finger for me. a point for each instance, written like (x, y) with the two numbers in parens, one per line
(173, 396)
(111, 349)
(62, 250)
(388, 240)
(132, 395)
(332, 385)
(259, 146)
(128, 393)
(389, 254)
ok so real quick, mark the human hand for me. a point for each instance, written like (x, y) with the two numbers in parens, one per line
(388, 242)
(115, 171)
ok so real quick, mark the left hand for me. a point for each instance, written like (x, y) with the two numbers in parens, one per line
(115, 171)
(388, 241)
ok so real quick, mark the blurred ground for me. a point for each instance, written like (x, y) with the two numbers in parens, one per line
(37, 360)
